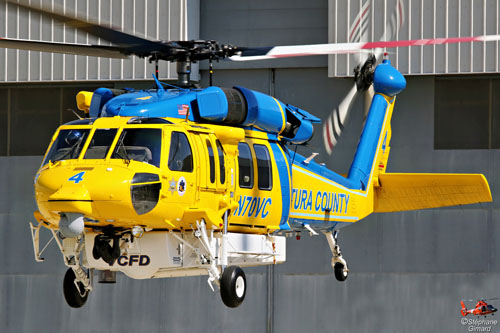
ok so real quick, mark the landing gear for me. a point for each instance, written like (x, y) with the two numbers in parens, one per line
(232, 283)
(339, 264)
(233, 286)
(77, 282)
(340, 271)
(74, 291)
(199, 251)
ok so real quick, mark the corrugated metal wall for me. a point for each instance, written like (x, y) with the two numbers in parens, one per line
(422, 19)
(153, 19)
(408, 270)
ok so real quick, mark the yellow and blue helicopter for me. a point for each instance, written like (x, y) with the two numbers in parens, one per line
(185, 181)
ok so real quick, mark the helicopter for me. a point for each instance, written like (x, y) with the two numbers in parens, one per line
(481, 309)
(184, 181)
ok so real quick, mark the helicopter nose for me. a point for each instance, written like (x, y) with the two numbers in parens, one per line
(72, 199)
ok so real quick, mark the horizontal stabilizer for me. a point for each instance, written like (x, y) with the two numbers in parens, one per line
(410, 191)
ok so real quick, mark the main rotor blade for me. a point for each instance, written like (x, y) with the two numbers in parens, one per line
(78, 49)
(261, 53)
(133, 44)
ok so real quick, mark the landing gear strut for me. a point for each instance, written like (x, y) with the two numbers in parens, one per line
(339, 264)
(77, 282)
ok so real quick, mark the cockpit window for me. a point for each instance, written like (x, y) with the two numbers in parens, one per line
(67, 145)
(180, 157)
(139, 144)
(100, 143)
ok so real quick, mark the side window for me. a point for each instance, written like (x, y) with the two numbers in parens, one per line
(180, 157)
(222, 163)
(264, 170)
(211, 160)
(245, 164)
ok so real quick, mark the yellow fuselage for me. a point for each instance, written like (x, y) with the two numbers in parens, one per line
(101, 188)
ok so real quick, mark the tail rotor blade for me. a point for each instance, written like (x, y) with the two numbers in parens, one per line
(335, 123)
(369, 93)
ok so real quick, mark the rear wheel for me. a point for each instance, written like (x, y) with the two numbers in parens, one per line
(72, 293)
(340, 271)
(233, 285)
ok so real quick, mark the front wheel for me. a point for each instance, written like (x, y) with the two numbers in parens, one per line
(72, 293)
(233, 285)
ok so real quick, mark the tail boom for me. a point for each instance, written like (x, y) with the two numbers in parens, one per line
(463, 311)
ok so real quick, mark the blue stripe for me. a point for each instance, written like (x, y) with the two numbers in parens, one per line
(298, 224)
(326, 217)
(283, 172)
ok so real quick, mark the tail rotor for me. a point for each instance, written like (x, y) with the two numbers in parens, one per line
(363, 73)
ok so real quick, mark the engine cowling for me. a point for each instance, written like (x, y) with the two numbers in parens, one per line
(236, 106)
(244, 107)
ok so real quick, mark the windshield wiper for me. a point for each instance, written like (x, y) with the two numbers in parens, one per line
(120, 146)
(72, 150)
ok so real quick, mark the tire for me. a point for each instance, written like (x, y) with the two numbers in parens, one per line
(71, 292)
(340, 274)
(233, 286)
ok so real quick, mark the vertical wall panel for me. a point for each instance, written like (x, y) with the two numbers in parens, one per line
(152, 19)
(422, 19)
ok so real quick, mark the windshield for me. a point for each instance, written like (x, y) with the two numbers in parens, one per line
(139, 144)
(100, 143)
(67, 145)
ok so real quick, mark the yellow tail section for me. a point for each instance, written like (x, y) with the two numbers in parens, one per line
(409, 191)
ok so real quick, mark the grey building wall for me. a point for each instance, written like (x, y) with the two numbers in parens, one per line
(409, 270)
(422, 19)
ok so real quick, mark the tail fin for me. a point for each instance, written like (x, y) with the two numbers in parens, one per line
(373, 147)
(464, 309)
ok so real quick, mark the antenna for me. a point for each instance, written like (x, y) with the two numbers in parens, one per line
(210, 71)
